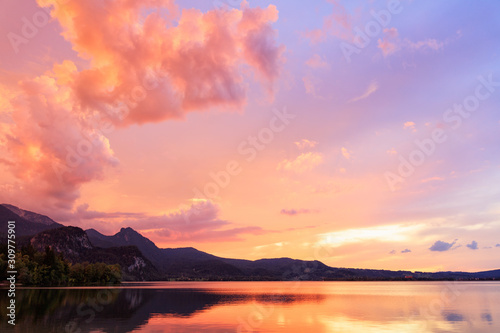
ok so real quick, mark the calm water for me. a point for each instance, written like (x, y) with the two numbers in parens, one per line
(261, 307)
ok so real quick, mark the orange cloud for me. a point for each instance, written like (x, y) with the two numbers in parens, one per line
(410, 125)
(346, 153)
(141, 68)
(303, 163)
(304, 143)
(151, 70)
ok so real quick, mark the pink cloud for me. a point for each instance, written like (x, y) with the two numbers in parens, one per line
(310, 85)
(317, 62)
(142, 67)
(199, 222)
(338, 24)
(389, 43)
(372, 87)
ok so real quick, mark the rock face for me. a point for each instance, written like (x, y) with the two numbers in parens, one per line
(71, 242)
(74, 244)
(127, 237)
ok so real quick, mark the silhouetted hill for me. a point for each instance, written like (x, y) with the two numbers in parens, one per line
(30, 216)
(27, 223)
(488, 274)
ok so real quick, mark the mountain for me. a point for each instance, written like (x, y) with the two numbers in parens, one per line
(30, 216)
(190, 263)
(126, 237)
(172, 263)
(27, 223)
(488, 274)
(74, 244)
(141, 259)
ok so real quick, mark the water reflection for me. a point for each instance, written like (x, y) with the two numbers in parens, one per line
(260, 307)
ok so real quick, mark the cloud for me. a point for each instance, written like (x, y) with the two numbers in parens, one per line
(498, 245)
(346, 153)
(83, 213)
(303, 163)
(304, 144)
(406, 251)
(373, 87)
(473, 245)
(431, 179)
(337, 24)
(388, 44)
(428, 44)
(53, 145)
(310, 83)
(392, 252)
(392, 151)
(144, 61)
(441, 246)
(410, 125)
(317, 62)
(198, 222)
(453, 317)
(293, 212)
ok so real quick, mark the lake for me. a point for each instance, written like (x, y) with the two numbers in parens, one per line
(297, 306)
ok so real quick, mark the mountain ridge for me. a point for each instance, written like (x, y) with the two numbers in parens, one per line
(188, 263)
(27, 223)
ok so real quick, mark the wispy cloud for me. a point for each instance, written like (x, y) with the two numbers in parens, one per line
(317, 62)
(372, 87)
(303, 163)
(337, 24)
(410, 125)
(198, 222)
(293, 212)
(346, 153)
(304, 144)
(390, 43)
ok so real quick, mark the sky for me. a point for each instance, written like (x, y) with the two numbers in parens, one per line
(358, 133)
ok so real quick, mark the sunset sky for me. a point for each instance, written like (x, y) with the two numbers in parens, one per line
(358, 133)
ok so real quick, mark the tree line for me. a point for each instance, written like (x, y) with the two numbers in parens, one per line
(48, 268)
